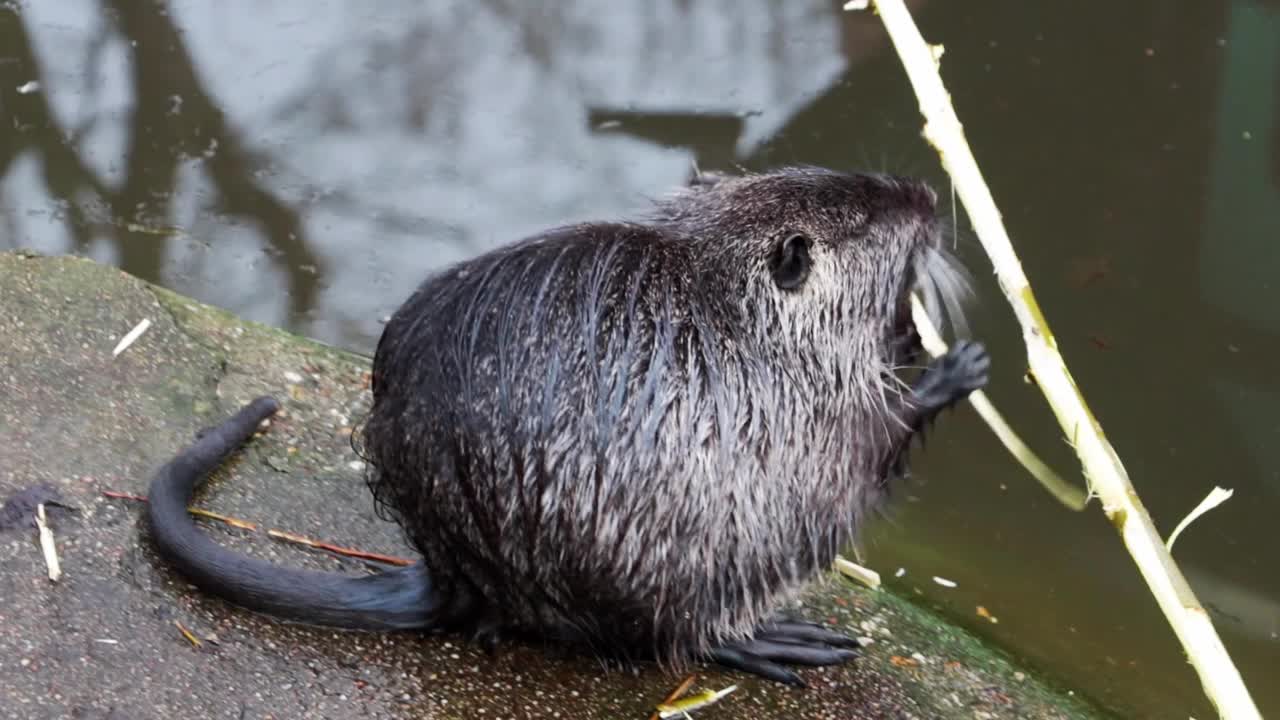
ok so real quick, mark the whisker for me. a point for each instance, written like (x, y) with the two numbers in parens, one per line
(944, 286)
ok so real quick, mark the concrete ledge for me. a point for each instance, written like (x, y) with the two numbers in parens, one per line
(102, 642)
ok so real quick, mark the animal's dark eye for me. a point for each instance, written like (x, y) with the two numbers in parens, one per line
(790, 261)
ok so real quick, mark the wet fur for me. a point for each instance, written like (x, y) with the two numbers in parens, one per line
(626, 436)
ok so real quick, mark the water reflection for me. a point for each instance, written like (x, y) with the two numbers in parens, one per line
(172, 126)
(305, 163)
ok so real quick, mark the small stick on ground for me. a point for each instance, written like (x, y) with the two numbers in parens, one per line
(132, 335)
(348, 552)
(281, 534)
(47, 545)
(123, 496)
(233, 522)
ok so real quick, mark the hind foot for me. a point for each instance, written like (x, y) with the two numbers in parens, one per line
(488, 635)
(950, 378)
(786, 641)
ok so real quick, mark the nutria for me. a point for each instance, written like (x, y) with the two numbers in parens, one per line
(638, 438)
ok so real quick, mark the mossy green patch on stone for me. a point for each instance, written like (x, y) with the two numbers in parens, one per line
(937, 660)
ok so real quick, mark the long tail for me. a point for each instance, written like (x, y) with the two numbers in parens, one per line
(396, 599)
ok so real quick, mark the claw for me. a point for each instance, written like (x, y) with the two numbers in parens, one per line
(755, 665)
(785, 640)
(952, 377)
(487, 637)
(800, 654)
(793, 630)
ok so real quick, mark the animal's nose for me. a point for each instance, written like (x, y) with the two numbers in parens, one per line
(909, 193)
(920, 196)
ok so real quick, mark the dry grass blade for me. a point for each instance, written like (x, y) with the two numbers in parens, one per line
(1216, 497)
(190, 636)
(681, 708)
(681, 689)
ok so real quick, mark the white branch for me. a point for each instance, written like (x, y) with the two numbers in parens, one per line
(1108, 478)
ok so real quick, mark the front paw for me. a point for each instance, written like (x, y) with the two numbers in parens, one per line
(966, 367)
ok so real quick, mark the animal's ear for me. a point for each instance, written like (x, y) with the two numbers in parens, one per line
(790, 261)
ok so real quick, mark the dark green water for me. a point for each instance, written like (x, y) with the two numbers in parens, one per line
(305, 163)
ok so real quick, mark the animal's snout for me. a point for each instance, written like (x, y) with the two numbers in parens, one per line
(919, 196)
(908, 193)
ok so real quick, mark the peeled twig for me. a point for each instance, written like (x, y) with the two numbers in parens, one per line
(1066, 493)
(1108, 478)
(47, 545)
(864, 575)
